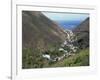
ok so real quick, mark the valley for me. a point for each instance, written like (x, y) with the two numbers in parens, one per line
(46, 44)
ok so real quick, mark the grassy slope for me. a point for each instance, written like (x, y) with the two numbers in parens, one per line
(80, 59)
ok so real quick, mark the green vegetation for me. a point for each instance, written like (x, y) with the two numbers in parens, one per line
(42, 36)
(80, 59)
(33, 59)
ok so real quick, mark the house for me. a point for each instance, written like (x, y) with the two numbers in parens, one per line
(46, 56)
(61, 49)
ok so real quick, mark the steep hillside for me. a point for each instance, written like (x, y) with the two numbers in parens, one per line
(39, 31)
(39, 34)
(82, 34)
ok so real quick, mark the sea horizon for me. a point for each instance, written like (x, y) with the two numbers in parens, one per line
(68, 24)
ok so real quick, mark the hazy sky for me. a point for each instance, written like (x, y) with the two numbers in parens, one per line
(66, 16)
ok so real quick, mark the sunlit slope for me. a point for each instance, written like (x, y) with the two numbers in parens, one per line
(80, 59)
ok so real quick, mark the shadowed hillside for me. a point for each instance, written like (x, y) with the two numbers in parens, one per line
(82, 33)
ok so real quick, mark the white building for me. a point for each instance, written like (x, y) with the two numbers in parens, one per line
(61, 49)
(46, 56)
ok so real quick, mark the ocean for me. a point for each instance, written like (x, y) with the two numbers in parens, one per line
(68, 24)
